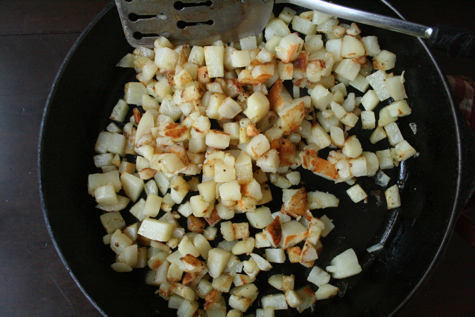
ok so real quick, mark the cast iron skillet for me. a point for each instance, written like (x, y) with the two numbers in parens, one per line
(434, 186)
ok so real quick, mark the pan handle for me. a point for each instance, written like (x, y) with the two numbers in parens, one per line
(455, 41)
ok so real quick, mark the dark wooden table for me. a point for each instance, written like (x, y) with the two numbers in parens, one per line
(35, 36)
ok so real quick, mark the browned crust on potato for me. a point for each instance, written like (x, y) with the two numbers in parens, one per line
(297, 206)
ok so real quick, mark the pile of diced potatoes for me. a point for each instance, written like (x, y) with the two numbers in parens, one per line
(213, 128)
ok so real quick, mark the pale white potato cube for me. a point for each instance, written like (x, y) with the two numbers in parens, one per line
(352, 47)
(344, 265)
(217, 261)
(187, 308)
(257, 146)
(393, 133)
(230, 191)
(371, 45)
(257, 106)
(269, 162)
(372, 163)
(119, 111)
(275, 255)
(276, 27)
(393, 199)
(112, 221)
(223, 172)
(217, 139)
(319, 137)
(166, 58)
(368, 120)
(358, 166)
(348, 68)
(272, 44)
(152, 206)
(395, 87)
(333, 46)
(132, 185)
(210, 233)
(385, 117)
(352, 147)
(223, 283)
(133, 93)
(318, 276)
(248, 43)
(385, 60)
(320, 17)
(207, 189)
(293, 177)
(303, 26)
(293, 299)
(240, 58)
(404, 150)
(276, 281)
(227, 231)
(199, 206)
(320, 200)
(399, 109)
(385, 159)
(356, 193)
(376, 80)
(197, 55)
(229, 109)
(313, 43)
(377, 135)
(214, 58)
(337, 136)
(179, 189)
(156, 230)
(106, 195)
(360, 83)
(321, 97)
(121, 267)
(276, 302)
(326, 291)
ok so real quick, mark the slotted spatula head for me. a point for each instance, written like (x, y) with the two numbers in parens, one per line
(193, 22)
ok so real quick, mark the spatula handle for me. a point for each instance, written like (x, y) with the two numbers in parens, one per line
(457, 42)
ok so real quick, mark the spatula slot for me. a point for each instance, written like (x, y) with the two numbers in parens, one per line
(139, 35)
(180, 5)
(134, 17)
(184, 24)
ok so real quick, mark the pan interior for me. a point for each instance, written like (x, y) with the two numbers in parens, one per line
(88, 87)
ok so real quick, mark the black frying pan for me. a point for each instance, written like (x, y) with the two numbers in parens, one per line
(434, 186)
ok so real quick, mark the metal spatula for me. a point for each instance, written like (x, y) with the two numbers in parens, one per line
(192, 22)
(201, 22)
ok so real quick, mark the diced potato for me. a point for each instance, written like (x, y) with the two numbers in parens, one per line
(132, 185)
(289, 48)
(106, 195)
(292, 233)
(356, 193)
(318, 276)
(112, 221)
(217, 139)
(326, 291)
(214, 57)
(217, 260)
(385, 60)
(275, 255)
(156, 230)
(276, 302)
(293, 299)
(344, 265)
(393, 198)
